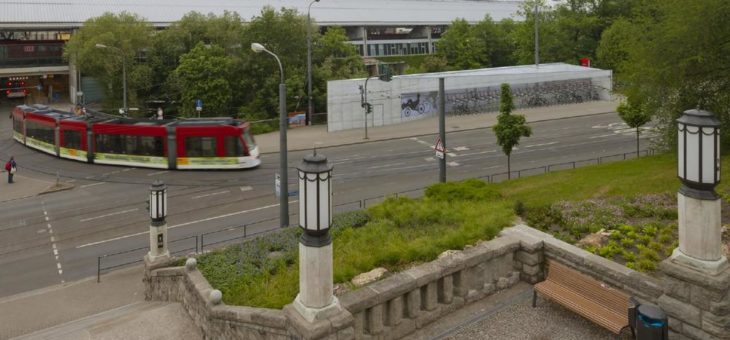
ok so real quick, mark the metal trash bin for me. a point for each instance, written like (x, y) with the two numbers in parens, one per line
(648, 321)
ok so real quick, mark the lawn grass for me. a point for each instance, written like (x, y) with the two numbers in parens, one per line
(401, 232)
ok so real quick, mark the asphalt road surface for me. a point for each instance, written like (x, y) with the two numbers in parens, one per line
(55, 238)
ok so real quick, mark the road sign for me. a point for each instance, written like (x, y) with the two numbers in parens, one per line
(440, 150)
(198, 105)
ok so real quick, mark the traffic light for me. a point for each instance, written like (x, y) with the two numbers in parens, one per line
(368, 108)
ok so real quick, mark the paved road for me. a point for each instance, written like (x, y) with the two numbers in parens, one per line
(56, 238)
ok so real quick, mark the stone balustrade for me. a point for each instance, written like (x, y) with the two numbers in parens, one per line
(404, 302)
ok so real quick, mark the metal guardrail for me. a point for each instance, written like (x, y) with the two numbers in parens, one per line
(243, 232)
(122, 263)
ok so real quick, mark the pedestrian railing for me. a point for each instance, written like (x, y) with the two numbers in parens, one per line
(107, 262)
(248, 231)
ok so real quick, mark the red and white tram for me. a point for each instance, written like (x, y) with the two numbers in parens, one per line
(208, 143)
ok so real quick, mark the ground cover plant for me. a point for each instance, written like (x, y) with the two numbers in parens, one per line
(393, 234)
(624, 211)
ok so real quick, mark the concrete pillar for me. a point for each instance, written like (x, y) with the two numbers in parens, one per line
(315, 279)
(364, 41)
(430, 40)
(700, 234)
(158, 242)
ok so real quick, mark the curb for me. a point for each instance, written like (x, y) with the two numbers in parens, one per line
(57, 187)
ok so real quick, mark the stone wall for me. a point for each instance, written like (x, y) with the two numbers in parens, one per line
(698, 306)
(409, 300)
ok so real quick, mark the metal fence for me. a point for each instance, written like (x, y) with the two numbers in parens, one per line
(229, 235)
(120, 259)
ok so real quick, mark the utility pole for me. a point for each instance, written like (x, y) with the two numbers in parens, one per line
(537, 36)
(442, 129)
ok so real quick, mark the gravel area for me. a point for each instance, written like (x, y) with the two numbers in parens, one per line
(520, 321)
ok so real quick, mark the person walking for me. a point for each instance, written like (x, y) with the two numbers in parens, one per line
(11, 167)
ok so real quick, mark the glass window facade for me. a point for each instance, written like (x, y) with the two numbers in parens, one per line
(71, 139)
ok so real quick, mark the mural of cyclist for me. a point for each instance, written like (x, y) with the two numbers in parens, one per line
(413, 105)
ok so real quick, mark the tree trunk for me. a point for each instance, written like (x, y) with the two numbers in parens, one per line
(509, 171)
(637, 142)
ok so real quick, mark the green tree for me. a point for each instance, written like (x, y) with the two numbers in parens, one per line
(461, 48)
(181, 37)
(634, 117)
(204, 73)
(678, 60)
(495, 37)
(510, 128)
(127, 36)
(333, 58)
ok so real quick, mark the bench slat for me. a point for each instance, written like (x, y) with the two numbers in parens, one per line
(607, 318)
(586, 296)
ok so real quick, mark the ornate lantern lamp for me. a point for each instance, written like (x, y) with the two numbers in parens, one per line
(315, 204)
(315, 300)
(158, 224)
(699, 153)
(698, 205)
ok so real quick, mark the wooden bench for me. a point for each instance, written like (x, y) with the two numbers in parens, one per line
(582, 294)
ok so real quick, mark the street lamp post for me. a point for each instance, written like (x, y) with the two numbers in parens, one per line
(283, 182)
(310, 107)
(698, 167)
(315, 300)
(158, 225)
(124, 74)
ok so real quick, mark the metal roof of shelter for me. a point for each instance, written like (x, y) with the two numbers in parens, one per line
(35, 14)
(506, 70)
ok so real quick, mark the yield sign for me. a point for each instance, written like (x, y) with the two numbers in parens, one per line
(440, 150)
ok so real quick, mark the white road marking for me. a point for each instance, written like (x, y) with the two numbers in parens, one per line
(431, 159)
(246, 188)
(451, 154)
(184, 224)
(602, 136)
(477, 153)
(461, 148)
(157, 173)
(211, 194)
(386, 165)
(92, 184)
(53, 243)
(71, 181)
(107, 215)
(41, 231)
(453, 164)
(127, 169)
(543, 144)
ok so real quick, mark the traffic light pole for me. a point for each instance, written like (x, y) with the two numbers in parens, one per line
(442, 129)
(364, 98)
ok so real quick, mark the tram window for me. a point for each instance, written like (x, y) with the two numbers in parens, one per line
(234, 147)
(40, 132)
(109, 144)
(147, 145)
(72, 139)
(18, 125)
(248, 138)
(200, 146)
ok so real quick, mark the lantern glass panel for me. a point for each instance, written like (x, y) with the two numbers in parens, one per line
(324, 204)
(680, 150)
(693, 153)
(717, 142)
(312, 203)
(708, 155)
(153, 204)
(164, 203)
(301, 201)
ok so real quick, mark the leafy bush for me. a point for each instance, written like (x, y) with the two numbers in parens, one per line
(468, 190)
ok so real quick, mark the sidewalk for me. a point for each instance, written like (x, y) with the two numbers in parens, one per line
(23, 187)
(304, 138)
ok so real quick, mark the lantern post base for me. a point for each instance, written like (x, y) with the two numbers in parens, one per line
(312, 314)
(710, 267)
